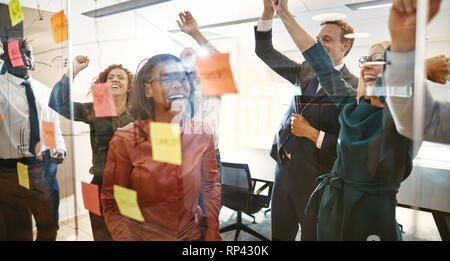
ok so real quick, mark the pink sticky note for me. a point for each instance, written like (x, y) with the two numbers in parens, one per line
(14, 54)
(48, 131)
(91, 198)
(103, 100)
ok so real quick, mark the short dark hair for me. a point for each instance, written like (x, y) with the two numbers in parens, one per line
(5, 56)
(345, 29)
(142, 107)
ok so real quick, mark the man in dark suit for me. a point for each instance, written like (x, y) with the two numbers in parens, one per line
(302, 157)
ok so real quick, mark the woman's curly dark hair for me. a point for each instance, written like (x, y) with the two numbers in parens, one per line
(103, 76)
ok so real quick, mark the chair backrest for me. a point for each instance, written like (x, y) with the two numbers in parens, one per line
(236, 175)
(236, 185)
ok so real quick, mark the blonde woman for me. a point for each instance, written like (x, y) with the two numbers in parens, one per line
(359, 195)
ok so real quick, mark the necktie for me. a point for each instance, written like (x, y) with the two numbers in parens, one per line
(34, 122)
(310, 92)
(311, 89)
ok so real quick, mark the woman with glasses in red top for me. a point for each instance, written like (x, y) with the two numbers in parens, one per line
(167, 194)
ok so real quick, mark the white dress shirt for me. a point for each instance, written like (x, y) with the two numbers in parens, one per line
(15, 125)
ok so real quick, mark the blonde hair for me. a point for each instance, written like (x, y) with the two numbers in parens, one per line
(361, 89)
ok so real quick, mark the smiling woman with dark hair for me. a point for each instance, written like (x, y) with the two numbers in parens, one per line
(167, 194)
(101, 129)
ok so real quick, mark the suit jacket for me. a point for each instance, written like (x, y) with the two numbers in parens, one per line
(320, 111)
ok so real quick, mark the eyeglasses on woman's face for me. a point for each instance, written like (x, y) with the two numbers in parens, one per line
(169, 79)
(374, 59)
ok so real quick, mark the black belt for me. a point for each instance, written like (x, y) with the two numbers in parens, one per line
(12, 163)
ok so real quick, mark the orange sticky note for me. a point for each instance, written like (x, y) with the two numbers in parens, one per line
(214, 74)
(15, 12)
(166, 142)
(1, 118)
(103, 101)
(126, 200)
(22, 171)
(48, 131)
(91, 198)
(59, 27)
(14, 54)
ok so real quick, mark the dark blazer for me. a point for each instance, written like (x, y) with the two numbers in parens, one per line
(320, 112)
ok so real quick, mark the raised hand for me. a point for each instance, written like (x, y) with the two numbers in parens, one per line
(79, 63)
(438, 68)
(268, 4)
(280, 6)
(402, 23)
(268, 10)
(187, 24)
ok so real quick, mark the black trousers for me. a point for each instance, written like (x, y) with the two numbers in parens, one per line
(18, 205)
(291, 191)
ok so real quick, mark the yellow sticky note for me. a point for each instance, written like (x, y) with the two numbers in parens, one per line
(15, 12)
(22, 170)
(59, 27)
(166, 142)
(126, 200)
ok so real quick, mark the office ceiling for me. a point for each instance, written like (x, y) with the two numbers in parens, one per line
(238, 15)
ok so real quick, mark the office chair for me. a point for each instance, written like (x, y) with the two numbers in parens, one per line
(238, 194)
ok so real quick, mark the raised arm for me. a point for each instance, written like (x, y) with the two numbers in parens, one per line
(282, 65)
(60, 97)
(301, 38)
(399, 76)
(188, 25)
(330, 79)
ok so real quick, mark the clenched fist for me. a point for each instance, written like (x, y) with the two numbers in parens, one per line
(300, 127)
(438, 68)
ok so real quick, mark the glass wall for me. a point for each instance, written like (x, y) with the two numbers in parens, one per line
(147, 161)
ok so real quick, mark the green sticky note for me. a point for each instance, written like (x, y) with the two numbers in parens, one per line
(126, 200)
(22, 171)
(166, 142)
(15, 12)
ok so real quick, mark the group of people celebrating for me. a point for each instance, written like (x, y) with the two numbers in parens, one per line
(341, 151)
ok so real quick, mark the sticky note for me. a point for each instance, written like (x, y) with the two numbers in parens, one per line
(166, 142)
(126, 200)
(103, 101)
(91, 198)
(48, 131)
(214, 74)
(1, 118)
(22, 170)
(59, 27)
(15, 12)
(15, 56)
